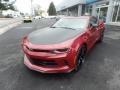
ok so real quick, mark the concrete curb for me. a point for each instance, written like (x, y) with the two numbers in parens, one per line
(114, 23)
(9, 26)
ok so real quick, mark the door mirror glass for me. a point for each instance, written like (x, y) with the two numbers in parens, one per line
(93, 25)
(93, 22)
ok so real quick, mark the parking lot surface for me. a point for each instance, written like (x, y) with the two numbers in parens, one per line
(101, 70)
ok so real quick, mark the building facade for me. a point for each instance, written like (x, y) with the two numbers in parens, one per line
(108, 10)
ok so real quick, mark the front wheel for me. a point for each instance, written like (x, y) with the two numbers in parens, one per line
(80, 58)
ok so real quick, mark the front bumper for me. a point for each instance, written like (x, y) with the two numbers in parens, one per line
(42, 69)
(46, 62)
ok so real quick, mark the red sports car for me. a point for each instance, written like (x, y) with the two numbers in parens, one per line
(63, 46)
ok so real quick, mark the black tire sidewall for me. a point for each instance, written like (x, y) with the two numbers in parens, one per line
(77, 68)
(101, 37)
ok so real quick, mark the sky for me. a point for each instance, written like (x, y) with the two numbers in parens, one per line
(25, 5)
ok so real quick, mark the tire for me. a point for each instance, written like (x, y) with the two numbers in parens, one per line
(101, 37)
(80, 58)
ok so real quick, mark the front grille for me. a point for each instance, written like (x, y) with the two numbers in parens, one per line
(37, 50)
(43, 62)
(46, 51)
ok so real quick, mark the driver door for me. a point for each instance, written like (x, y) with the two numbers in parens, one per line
(92, 31)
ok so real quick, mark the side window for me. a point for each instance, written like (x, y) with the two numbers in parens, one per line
(93, 21)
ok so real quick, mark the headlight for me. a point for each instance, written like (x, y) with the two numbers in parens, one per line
(60, 50)
(28, 48)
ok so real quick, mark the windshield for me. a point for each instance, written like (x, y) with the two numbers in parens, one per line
(75, 23)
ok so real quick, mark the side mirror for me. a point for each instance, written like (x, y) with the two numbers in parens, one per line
(93, 25)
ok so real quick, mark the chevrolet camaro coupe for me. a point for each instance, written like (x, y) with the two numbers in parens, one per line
(63, 46)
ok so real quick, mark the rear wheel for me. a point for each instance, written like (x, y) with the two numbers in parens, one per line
(80, 58)
(101, 37)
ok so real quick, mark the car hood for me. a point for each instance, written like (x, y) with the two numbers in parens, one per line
(52, 35)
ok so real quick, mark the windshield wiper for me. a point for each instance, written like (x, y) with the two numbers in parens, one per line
(53, 27)
(68, 28)
(64, 27)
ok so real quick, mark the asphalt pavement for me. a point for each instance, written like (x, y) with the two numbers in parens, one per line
(101, 70)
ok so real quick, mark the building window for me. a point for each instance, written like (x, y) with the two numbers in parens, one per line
(101, 13)
(116, 12)
(102, 9)
(89, 9)
(118, 15)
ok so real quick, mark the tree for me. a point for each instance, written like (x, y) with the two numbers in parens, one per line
(2, 6)
(52, 9)
(38, 11)
(10, 6)
(6, 5)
